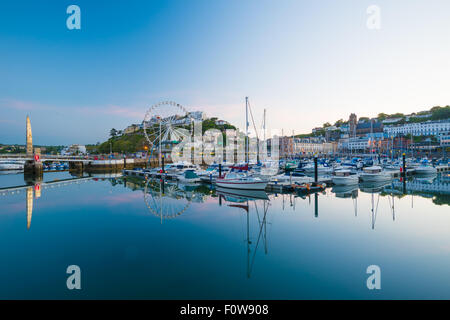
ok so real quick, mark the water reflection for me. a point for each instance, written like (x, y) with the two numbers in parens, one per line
(243, 199)
(229, 239)
(168, 200)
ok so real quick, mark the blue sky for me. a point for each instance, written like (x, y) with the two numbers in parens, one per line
(306, 62)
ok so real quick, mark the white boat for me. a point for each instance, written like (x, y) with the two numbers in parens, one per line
(375, 174)
(286, 177)
(425, 169)
(188, 176)
(321, 169)
(241, 180)
(11, 165)
(344, 178)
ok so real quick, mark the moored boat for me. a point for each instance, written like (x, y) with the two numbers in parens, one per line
(345, 177)
(374, 174)
(241, 180)
(425, 169)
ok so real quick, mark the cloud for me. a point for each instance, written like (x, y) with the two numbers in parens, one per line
(19, 104)
(110, 109)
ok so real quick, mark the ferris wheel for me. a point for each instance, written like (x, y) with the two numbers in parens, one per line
(166, 122)
(164, 200)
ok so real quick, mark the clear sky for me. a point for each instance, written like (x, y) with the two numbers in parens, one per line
(306, 62)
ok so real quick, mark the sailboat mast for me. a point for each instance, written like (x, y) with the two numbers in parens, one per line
(246, 129)
(264, 126)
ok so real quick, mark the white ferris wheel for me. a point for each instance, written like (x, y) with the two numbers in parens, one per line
(166, 122)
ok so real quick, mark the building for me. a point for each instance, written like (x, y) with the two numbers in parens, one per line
(396, 144)
(352, 122)
(444, 139)
(131, 129)
(286, 146)
(74, 149)
(197, 115)
(316, 130)
(358, 144)
(345, 128)
(428, 128)
(221, 122)
(311, 146)
(367, 127)
(391, 120)
(332, 135)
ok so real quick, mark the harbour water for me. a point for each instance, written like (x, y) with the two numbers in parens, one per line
(133, 239)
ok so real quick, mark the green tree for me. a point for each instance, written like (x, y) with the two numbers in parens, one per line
(113, 133)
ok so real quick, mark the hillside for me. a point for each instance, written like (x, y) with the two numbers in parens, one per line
(134, 142)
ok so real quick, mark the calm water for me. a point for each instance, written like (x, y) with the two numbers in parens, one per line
(186, 243)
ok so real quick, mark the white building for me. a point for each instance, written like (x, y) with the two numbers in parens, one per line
(313, 146)
(445, 139)
(221, 122)
(391, 120)
(74, 149)
(428, 128)
(197, 115)
(362, 143)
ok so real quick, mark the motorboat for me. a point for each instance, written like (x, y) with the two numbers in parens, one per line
(345, 177)
(11, 165)
(321, 168)
(238, 178)
(425, 168)
(374, 174)
(188, 176)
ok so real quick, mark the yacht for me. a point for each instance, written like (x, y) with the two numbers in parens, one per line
(241, 180)
(425, 168)
(345, 177)
(374, 174)
(11, 165)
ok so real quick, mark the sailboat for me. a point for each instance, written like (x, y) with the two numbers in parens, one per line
(239, 178)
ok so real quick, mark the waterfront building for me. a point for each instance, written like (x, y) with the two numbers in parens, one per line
(396, 143)
(286, 146)
(359, 143)
(310, 146)
(428, 128)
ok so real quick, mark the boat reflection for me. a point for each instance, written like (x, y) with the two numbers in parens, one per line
(242, 199)
(350, 191)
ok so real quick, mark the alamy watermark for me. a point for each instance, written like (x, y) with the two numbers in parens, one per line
(74, 280)
(74, 20)
(374, 17)
(374, 280)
